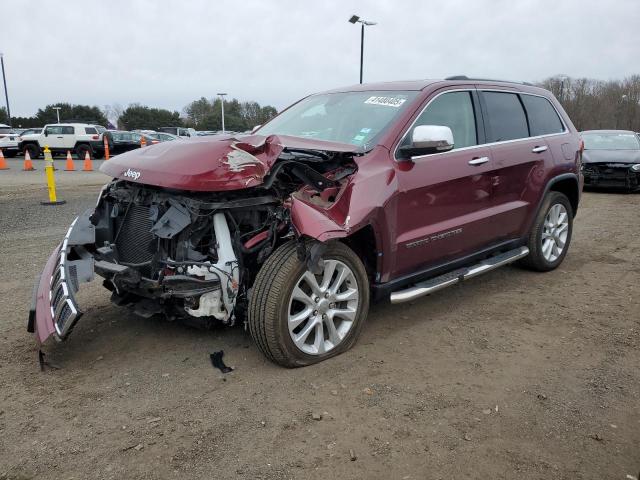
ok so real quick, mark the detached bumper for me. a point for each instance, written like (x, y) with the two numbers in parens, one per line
(54, 310)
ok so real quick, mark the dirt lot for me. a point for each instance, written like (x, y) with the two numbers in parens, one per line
(512, 375)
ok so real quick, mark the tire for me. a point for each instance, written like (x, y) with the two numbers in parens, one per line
(271, 305)
(81, 151)
(33, 149)
(542, 258)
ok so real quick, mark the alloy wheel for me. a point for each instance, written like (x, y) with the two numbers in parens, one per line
(323, 308)
(555, 231)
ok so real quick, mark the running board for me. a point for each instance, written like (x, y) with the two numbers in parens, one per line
(432, 285)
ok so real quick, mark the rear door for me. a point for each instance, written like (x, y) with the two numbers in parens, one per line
(519, 161)
(443, 198)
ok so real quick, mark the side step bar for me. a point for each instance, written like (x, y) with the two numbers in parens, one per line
(443, 281)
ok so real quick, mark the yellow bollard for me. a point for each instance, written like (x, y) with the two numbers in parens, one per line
(51, 181)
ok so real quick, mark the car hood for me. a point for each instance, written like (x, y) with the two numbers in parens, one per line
(210, 163)
(611, 156)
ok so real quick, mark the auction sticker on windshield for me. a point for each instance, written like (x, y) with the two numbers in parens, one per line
(395, 102)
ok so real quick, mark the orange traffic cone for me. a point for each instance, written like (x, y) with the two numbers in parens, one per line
(87, 166)
(28, 164)
(3, 162)
(69, 166)
(143, 142)
(106, 148)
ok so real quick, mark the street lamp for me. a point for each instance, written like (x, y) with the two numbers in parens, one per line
(6, 93)
(57, 109)
(222, 95)
(563, 78)
(356, 19)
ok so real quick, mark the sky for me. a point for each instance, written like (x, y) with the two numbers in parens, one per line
(167, 53)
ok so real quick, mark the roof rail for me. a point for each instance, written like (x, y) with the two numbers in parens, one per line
(464, 77)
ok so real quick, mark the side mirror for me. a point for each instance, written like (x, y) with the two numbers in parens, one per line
(254, 129)
(46, 133)
(426, 139)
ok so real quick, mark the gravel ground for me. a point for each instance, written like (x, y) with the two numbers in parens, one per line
(511, 375)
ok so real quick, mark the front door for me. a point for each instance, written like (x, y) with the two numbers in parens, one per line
(53, 137)
(443, 204)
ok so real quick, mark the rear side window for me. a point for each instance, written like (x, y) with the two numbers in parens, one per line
(68, 130)
(453, 110)
(543, 118)
(507, 120)
(90, 131)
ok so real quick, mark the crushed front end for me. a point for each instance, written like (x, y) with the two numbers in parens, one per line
(188, 255)
(612, 175)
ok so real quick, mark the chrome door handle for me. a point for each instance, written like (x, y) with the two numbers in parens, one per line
(478, 161)
(540, 149)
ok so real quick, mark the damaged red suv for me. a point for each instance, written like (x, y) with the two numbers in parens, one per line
(381, 191)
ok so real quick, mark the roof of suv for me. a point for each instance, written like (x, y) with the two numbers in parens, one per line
(417, 85)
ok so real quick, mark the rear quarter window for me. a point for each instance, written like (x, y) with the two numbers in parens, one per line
(543, 118)
(507, 120)
(90, 131)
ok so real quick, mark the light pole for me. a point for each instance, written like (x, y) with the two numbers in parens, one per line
(563, 78)
(222, 95)
(356, 19)
(6, 93)
(57, 109)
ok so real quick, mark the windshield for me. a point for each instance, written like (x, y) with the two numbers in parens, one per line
(357, 118)
(611, 141)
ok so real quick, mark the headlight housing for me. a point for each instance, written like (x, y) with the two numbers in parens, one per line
(636, 167)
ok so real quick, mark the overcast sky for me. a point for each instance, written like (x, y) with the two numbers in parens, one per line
(167, 53)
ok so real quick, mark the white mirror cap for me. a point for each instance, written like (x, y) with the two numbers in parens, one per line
(432, 136)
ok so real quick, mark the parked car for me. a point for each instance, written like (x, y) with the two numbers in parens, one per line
(179, 131)
(382, 191)
(31, 131)
(164, 137)
(611, 159)
(9, 141)
(79, 138)
(121, 141)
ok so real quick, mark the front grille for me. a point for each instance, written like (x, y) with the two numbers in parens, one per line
(135, 241)
(61, 301)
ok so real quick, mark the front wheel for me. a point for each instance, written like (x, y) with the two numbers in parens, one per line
(550, 235)
(298, 318)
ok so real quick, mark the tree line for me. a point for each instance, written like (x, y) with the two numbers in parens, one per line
(598, 104)
(591, 104)
(201, 114)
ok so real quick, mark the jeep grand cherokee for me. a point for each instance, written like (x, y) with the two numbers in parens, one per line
(383, 191)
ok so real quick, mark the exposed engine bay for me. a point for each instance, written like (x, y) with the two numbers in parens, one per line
(194, 255)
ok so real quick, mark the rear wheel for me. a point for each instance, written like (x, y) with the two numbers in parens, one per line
(297, 317)
(33, 149)
(551, 234)
(81, 151)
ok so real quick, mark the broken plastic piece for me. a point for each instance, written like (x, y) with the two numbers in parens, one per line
(217, 362)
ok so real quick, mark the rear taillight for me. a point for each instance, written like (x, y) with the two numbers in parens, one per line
(96, 137)
(153, 142)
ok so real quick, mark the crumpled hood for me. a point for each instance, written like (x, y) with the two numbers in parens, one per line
(210, 163)
(611, 156)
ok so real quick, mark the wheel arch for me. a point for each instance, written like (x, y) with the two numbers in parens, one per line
(568, 185)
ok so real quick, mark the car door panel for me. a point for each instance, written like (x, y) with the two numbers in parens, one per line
(516, 182)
